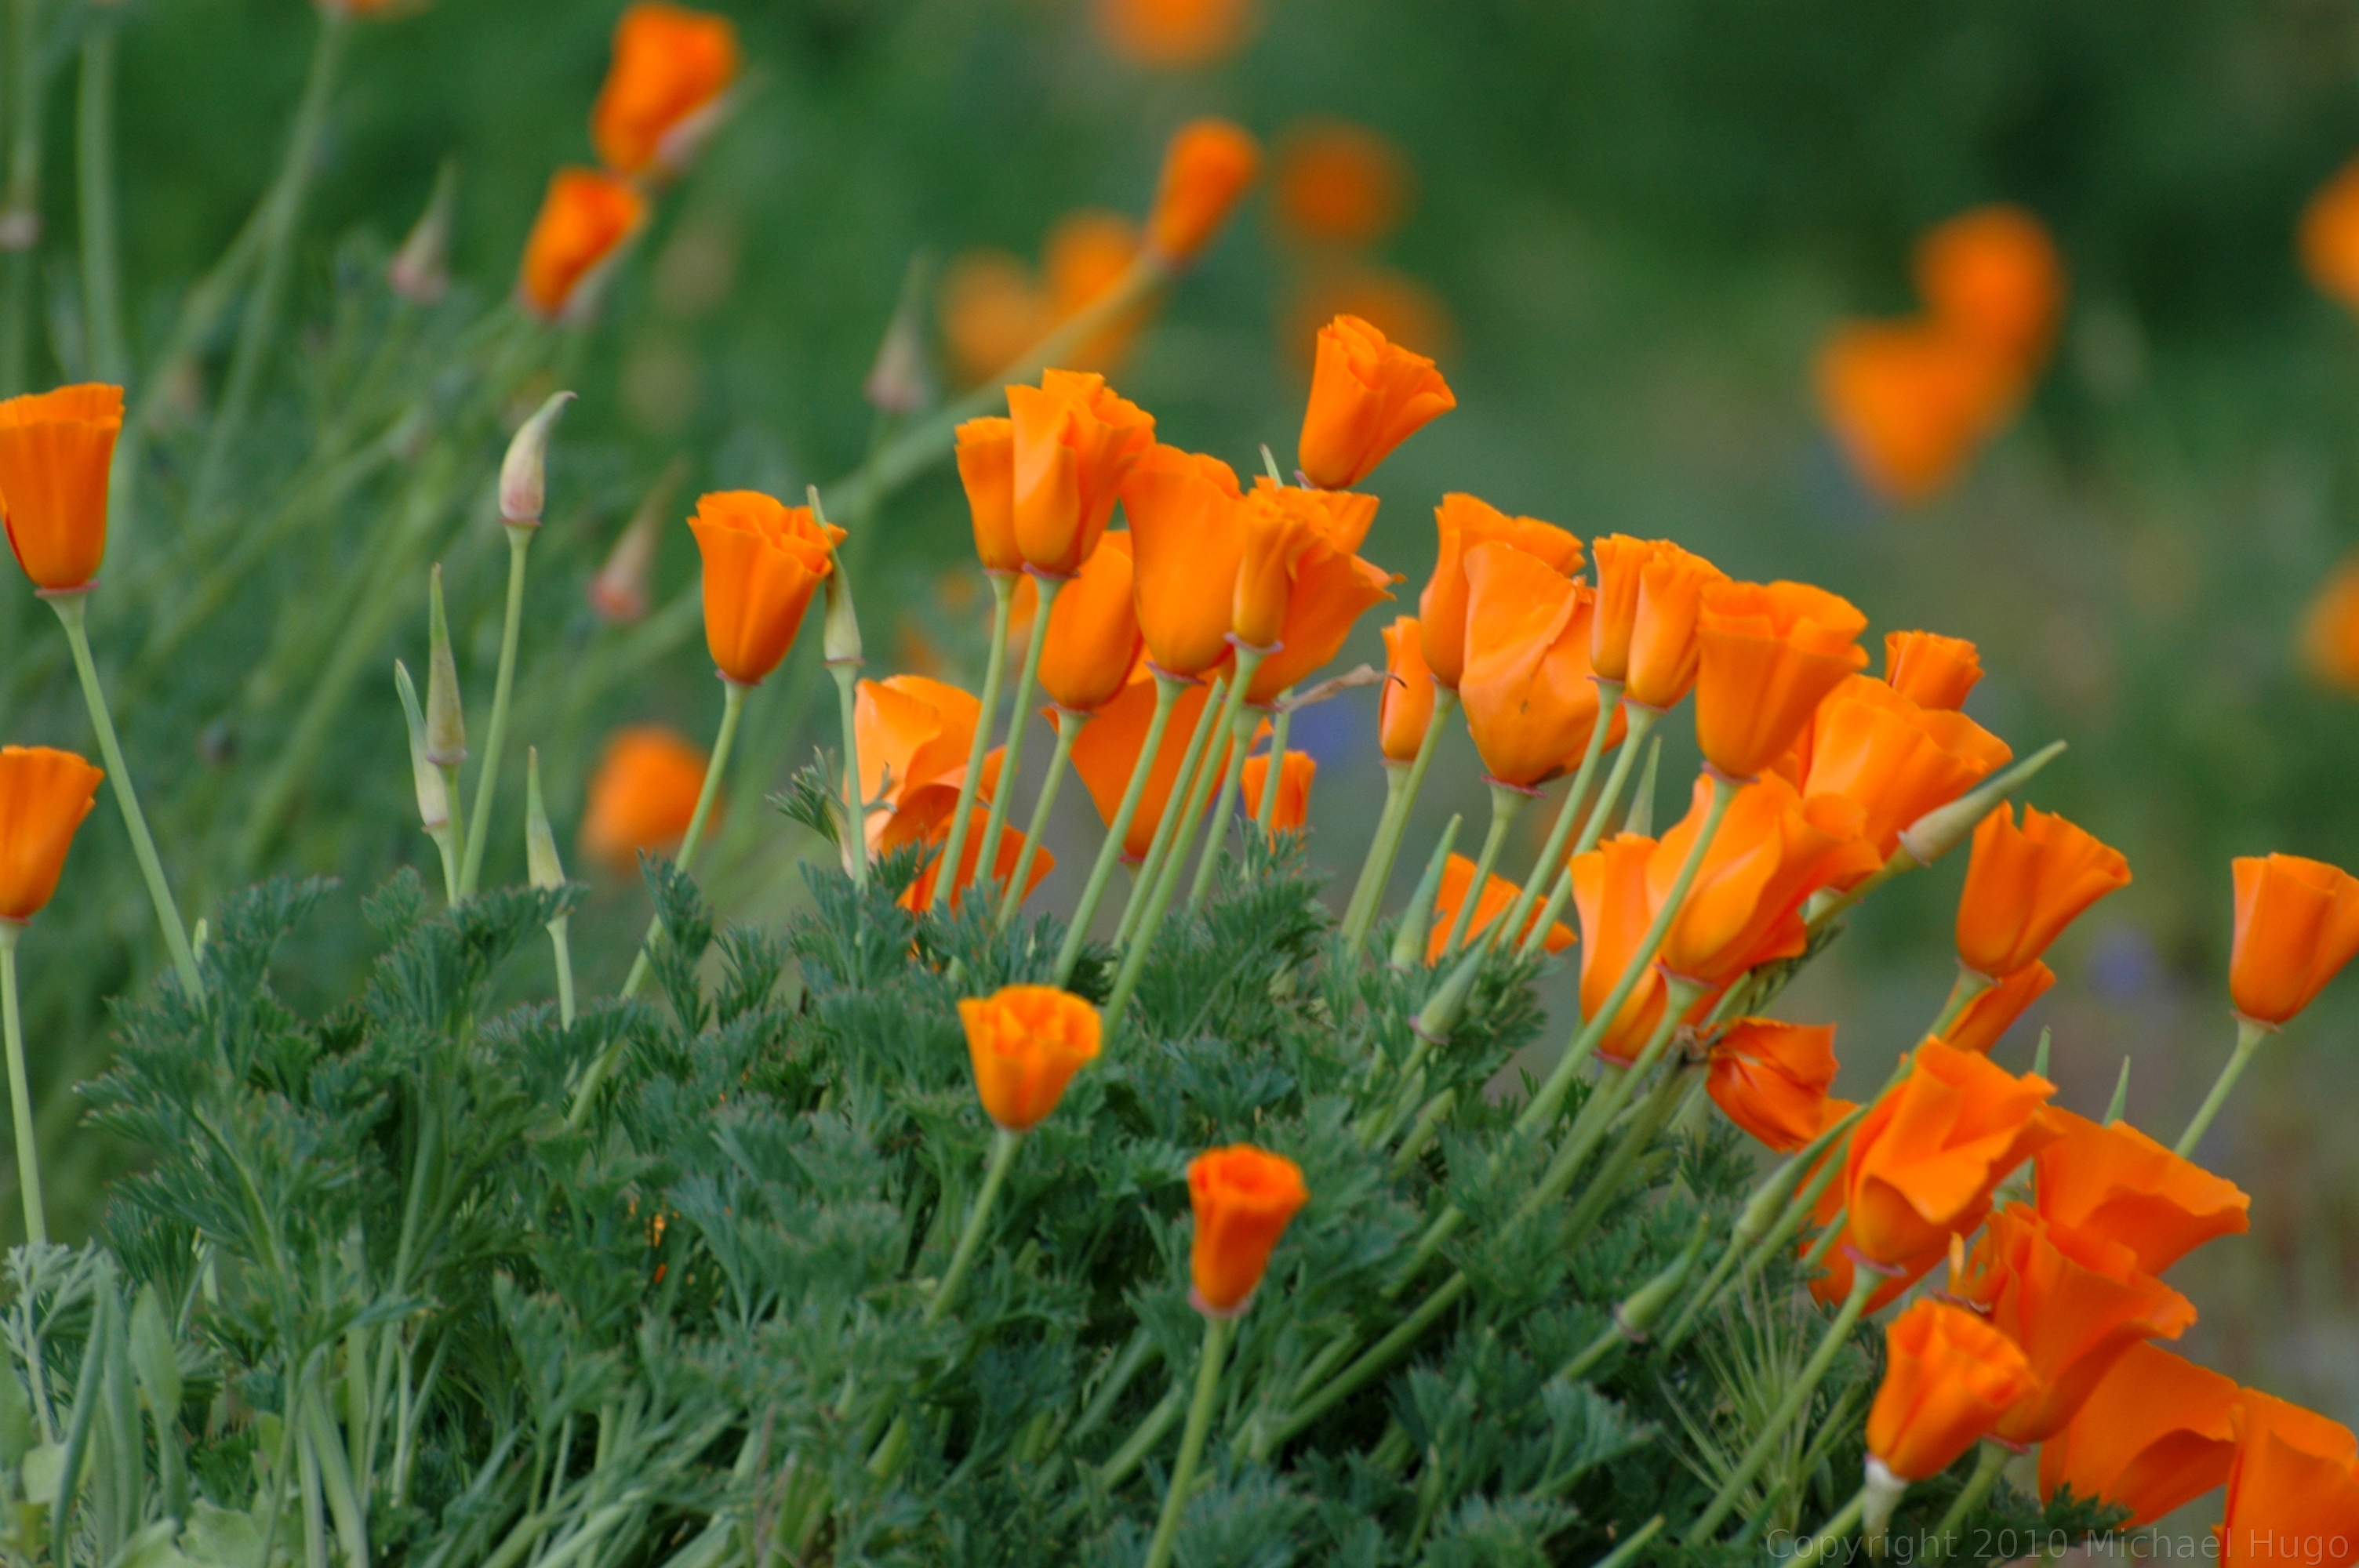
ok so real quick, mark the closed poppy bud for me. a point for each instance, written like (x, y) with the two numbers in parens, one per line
(55, 448)
(1209, 164)
(1980, 1024)
(1665, 651)
(1931, 670)
(1075, 441)
(1910, 401)
(914, 736)
(1107, 750)
(2293, 1488)
(1173, 32)
(44, 795)
(524, 471)
(671, 66)
(1899, 761)
(1295, 776)
(420, 271)
(619, 592)
(1531, 703)
(1462, 522)
(642, 796)
(1027, 1043)
(1772, 1079)
(1092, 631)
(1774, 849)
(1993, 275)
(1768, 654)
(1368, 397)
(763, 559)
(584, 221)
(919, 894)
(2026, 885)
(1188, 538)
(1244, 1201)
(543, 867)
(1405, 711)
(2114, 1182)
(987, 465)
(2297, 926)
(1498, 893)
(1611, 900)
(1948, 1377)
(2157, 1432)
(1299, 586)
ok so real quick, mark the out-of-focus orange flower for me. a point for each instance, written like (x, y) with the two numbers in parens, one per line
(584, 221)
(1207, 167)
(1188, 538)
(1244, 1201)
(1910, 401)
(1462, 522)
(914, 736)
(1772, 1079)
(1405, 310)
(1299, 586)
(2025, 885)
(1339, 182)
(2115, 1182)
(1405, 712)
(1948, 1377)
(1931, 670)
(1295, 775)
(2329, 238)
(1980, 1022)
(1368, 397)
(2330, 631)
(55, 448)
(987, 465)
(642, 796)
(1076, 441)
(1174, 32)
(1092, 631)
(1498, 893)
(671, 66)
(2073, 1302)
(1087, 253)
(44, 795)
(2157, 1432)
(2293, 1488)
(1107, 750)
(921, 892)
(992, 310)
(1774, 849)
(1531, 703)
(1899, 761)
(1027, 1043)
(1649, 592)
(1768, 654)
(2297, 926)
(1993, 275)
(763, 560)
(1610, 898)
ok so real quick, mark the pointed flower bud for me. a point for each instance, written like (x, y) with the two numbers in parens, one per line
(523, 472)
(619, 592)
(540, 857)
(897, 382)
(1027, 1043)
(420, 271)
(840, 632)
(1243, 1200)
(1938, 832)
(1207, 167)
(433, 794)
(446, 725)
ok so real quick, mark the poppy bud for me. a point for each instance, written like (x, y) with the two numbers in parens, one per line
(1405, 711)
(433, 790)
(1948, 1377)
(2297, 926)
(1093, 638)
(523, 472)
(1243, 1200)
(1209, 164)
(540, 857)
(44, 795)
(670, 68)
(584, 221)
(762, 561)
(840, 627)
(420, 271)
(446, 724)
(619, 592)
(1945, 827)
(55, 451)
(1295, 774)
(1027, 1043)
(1368, 397)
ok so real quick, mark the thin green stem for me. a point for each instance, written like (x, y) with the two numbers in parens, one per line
(1388, 829)
(1217, 1330)
(1011, 771)
(1274, 776)
(562, 944)
(1552, 856)
(1643, 721)
(846, 674)
(2249, 1035)
(994, 669)
(1508, 803)
(1068, 729)
(1004, 1145)
(1844, 1521)
(487, 773)
(1176, 808)
(1990, 1459)
(1377, 875)
(1167, 696)
(20, 1094)
(102, 290)
(733, 708)
(1962, 992)
(20, 223)
(1216, 841)
(1378, 1357)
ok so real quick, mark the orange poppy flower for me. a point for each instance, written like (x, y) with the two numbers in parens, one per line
(763, 560)
(1299, 586)
(1910, 401)
(642, 796)
(1173, 32)
(1931, 670)
(55, 448)
(1405, 711)
(1085, 255)
(919, 894)
(584, 221)
(1368, 397)
(1498, 893)
(914, 736)
(2297, 926)
(1189, 540)
(2115, 1182)
(1872, 745)
(1093, 637)
(671, 66)
(992, 310)
(1993, 275)
(1610, 898)
(1244, 1201)
(44, 795)
(2157, 1432)
(1027, 1043)
(1531, 703)
(1107, 750)
(1772, 1079)
(987, 465)
(2328, 237)
(1339, 182)
(1295, 775)
(1768, 655)
(1209, 164)
(1648, 594)
(1076, 439)
(1464, 522)
(2026, 885)
(2293, 1488)
(1948, 1377)
(1774, 849)
(1980, 1024)
(2330, 630)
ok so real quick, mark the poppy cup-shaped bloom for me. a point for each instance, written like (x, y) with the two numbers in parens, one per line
(44, 795)
(1187, 539)
(914, 736)
(1405, 711)
(2115, 1182)
(1774, 849)
(1243, 1200)
(1463, 523)
(2293, 1488)
(1767, 654)
(2297, 926)
(2157, 1432)
(1610, 898)
(1295, 775)
(987, 465)
(1093, 637)
(1910, 401)
(1075, 441)
(1948, 1377)
(1498, 893)
(1209, 164)
(642, 796)
(1772, 1079)
(1872, 745)
(2025, 885)
(55, 448)
(919, 894)
(1368, 397)
(1299, 586)
(763, 561)
(1931, 670)
(1027, 1043)
(585, 219)
(1993, 275)
(1992, 1014)
(671, 66)
(1107, 750)
(1531, 703)
(1649, 592)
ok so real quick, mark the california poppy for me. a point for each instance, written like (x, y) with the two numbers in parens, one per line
(2025, 884)
(55, 450)
(1948, 1376)
(2293, 1488)
(2115, 1182)
(641, 796)
(1208, 166)
(1027, 1043)
(1299, 586)
(919, 894)
(671, 65)
(1649, 592)
(1530, 700)
(584, 221)
(1768, 654)
(1993, 1011)
(1462, 523)
(1075, 441)
(1339, 182)
(1931, 670)
(1107, 750)
(1295, 776)
(1243, 1200)
(1910, 401)
(1092, 631)
(1774, 849)
(2157, 1432)
(1173, 32)
(1899, 761)
(1498, 893)
(1188, 538)
(1368, 397)
(2329, 236)
(915, 735)
(763, 561)
(987, 465)
(1771, 1079)
(44, 795)
(1611, 898)
(1405, 712)
(2297, 926)
(1993, 275)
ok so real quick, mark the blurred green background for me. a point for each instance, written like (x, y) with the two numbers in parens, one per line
(1641, 221)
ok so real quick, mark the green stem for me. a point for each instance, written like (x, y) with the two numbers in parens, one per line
(487, 775)
(994, 669)
(1141, 1441)
(1011, 770)
(1216, 841)
(559, 940)
(1167, 696)
(1630, 1551)
(1990, 1459)
(101, 293)
(1508, 803)
(1378, 1357)
(1552, 856)
(1272, 779)
(733, 708)
(1643, 721)
(1068, 729)
(846, 674)
(2249, 1035)
(1191, 1440)
(20, 223)
(1389, 830)
(1148, 874)
(1377, 875)
(1669, 1091)
(72, 608)
(1845, 1520)
(1962, 992)
(20, 1094)
(1004, 1145)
